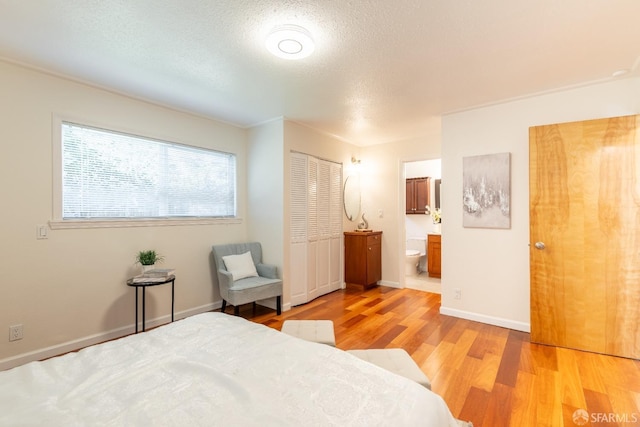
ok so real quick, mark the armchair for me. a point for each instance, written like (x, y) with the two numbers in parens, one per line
(261, 284)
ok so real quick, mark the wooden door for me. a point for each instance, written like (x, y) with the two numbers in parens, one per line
(585, 235)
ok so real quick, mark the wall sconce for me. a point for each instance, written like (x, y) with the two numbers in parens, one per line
(354, 167)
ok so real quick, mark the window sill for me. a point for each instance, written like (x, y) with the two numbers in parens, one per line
(147, 222)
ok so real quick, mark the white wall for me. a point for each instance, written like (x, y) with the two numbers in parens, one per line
(69, 290)
(265, 194)
(491, 267)
(422, 168)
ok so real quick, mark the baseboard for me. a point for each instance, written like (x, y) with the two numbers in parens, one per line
(45, 353)
(496, 321)
(490, 320)
(390, 284)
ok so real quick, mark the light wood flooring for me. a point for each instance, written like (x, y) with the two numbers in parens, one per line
(488, 375)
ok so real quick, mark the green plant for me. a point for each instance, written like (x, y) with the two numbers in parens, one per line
(148, 257)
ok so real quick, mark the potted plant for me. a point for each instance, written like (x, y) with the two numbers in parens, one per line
(148, 259)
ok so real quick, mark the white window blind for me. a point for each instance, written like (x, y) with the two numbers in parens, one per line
(109, 174)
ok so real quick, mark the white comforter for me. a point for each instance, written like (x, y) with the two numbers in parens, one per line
(213, 369)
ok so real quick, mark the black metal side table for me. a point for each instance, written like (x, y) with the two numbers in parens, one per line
(144, 285)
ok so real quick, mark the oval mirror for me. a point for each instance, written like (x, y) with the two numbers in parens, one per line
(352, 197)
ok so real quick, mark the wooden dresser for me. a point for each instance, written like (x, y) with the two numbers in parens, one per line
(363, 257)
(433, 254)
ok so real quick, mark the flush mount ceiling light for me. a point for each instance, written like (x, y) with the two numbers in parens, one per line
(290, 42)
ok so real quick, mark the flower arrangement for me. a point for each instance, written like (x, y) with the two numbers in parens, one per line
(436, 216)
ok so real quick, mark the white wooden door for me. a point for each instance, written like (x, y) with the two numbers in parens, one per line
(324, 227)
(298, 206)
(316, 227)
(313, 225)
(335, 219)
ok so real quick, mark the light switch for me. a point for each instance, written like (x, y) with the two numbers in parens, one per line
(380, 213)
(42, 232)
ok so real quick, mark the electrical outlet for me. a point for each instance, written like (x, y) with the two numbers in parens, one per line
(457, 293)
(15, 332)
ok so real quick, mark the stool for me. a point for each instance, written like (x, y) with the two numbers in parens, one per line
(320, 331)
(395, 360)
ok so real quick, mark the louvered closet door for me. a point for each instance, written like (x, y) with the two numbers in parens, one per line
(298, 234)
(335, 221)
(316, 227)
(312, 227)
(324, 227)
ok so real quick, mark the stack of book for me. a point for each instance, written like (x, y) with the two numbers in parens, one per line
(155, 275)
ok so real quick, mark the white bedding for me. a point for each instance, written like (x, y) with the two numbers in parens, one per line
(213, 369)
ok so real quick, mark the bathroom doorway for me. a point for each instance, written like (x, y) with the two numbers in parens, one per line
(422, 179)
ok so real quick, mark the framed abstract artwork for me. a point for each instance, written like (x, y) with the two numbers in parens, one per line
(486, 191)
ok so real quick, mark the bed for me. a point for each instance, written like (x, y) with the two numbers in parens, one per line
(214, 369)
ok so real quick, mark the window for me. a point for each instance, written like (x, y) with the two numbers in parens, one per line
(111, 175)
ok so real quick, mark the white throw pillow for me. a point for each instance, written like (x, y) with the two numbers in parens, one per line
(240, 266)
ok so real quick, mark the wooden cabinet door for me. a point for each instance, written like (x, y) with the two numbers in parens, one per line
(422, 199)
(362, 257)
(584, 189)
(417, 195)
(374, 259)
(355, 261)
(411, 197)
(434, 255)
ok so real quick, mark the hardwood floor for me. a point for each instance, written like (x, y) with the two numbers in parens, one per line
(488, 375)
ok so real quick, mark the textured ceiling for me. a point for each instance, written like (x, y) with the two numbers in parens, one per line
(382, 69)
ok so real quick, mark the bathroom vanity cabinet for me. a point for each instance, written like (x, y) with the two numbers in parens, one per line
(433, 254)
(418, 195)
(363, 257)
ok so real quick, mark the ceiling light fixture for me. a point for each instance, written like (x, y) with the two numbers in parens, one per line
(290, 42)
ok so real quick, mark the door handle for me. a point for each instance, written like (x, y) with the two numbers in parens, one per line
(540, 245)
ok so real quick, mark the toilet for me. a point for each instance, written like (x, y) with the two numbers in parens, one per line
(416, 249)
